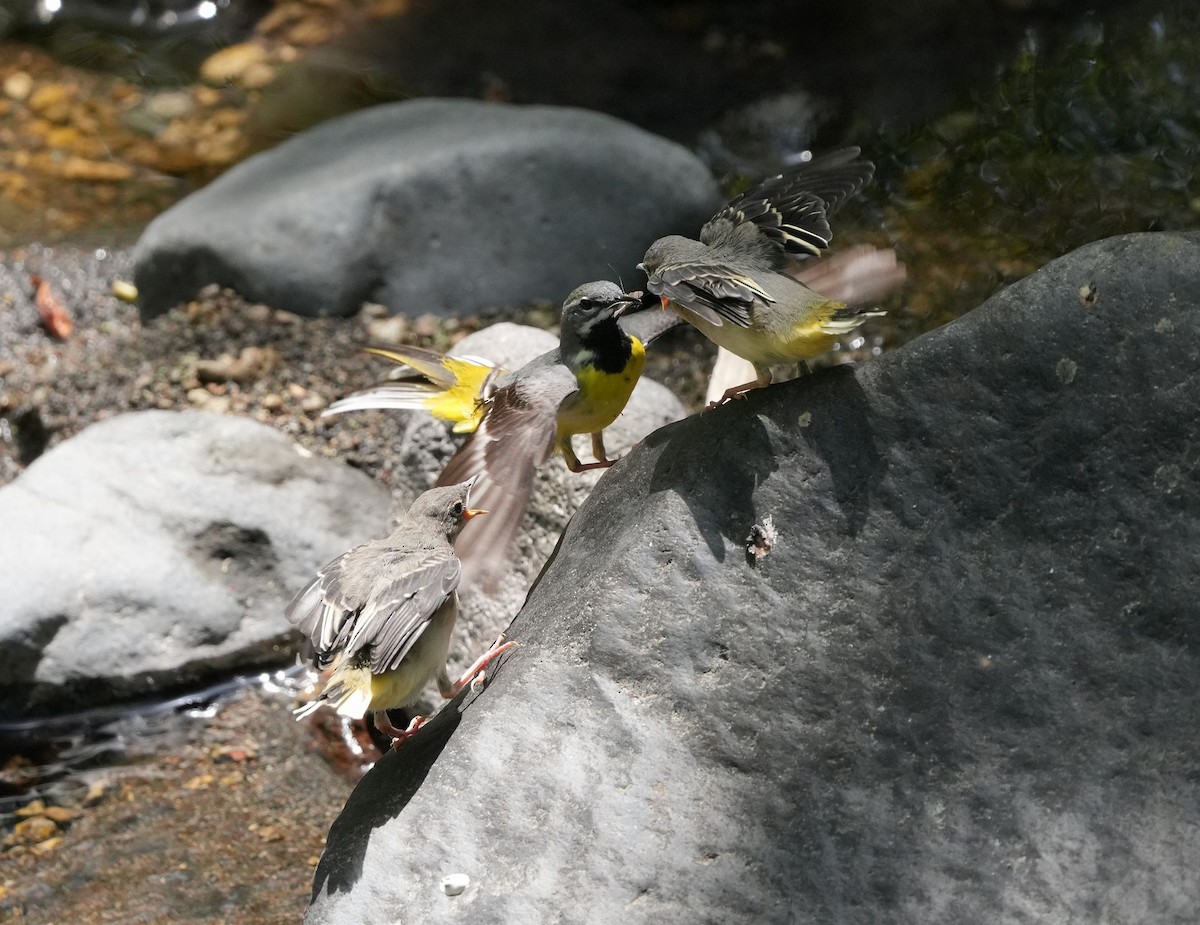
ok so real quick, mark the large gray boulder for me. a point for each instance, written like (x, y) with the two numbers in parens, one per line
(963, 686)
(447, 206)
(158, 549)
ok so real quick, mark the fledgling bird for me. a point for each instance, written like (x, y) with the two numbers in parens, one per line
(517, 420)
(731, 283)
(381, 615)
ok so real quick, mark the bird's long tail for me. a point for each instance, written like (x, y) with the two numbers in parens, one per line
(856, 277)
(448, 387)
(348, 691)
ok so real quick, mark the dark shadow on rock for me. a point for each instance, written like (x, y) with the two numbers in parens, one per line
(730, 440)
(840, 433)
(380, 797)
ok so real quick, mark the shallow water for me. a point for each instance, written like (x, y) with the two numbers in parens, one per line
(55, 759)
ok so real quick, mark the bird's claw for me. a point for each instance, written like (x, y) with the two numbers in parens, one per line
(476, 675)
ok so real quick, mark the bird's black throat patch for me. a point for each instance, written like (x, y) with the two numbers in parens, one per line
(609, 345)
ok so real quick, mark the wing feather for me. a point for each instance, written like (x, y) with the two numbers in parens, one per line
(715, 291)
(516, 437)
(375, 598)
(792, 210)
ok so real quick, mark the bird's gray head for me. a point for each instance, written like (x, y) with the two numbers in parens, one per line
(448, 507)
(593, 306)
(669, 249)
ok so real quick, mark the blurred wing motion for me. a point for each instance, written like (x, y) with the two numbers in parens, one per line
(792, 211)
(517, 435)
(365, 611)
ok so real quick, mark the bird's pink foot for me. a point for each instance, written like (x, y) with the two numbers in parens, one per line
(399, 736)
(477, 674)
(598, 464)
(736, 391)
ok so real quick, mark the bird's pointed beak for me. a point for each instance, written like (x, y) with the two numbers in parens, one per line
(630, 300)
(473, 512)
(642, 267)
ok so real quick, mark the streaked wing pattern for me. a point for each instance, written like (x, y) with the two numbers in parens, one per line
(388, 617)
(793, 209)
(717, 292)
(516, 437)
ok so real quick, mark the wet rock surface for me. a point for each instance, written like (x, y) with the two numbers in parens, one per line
(961, 685)
(449, 206)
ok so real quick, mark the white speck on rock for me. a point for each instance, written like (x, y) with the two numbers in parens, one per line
(454, 884)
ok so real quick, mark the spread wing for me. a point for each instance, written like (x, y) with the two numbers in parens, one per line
(516, 437)
(716, 292)
(792, 210)
(375, 598)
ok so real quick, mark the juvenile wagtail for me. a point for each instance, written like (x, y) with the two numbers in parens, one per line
(381, 615)
(730, 284)
(518, 419)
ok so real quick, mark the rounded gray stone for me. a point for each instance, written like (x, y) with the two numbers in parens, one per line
(445, 206)
(157, 550)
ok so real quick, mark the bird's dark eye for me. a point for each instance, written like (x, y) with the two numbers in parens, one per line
(458, 509)
(587, 304)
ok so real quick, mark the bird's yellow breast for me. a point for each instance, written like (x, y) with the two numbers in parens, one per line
(776, 335)
(602, 396)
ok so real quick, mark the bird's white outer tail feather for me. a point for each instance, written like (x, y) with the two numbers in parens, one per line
(348, 692)
(837, 326)
(398, 396)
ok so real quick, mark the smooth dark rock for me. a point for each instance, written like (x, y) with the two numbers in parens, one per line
(446, 206)
(157, 550)
(964, 686)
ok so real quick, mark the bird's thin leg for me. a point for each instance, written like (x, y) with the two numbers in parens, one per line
(598, 448)
(762, 380)
(602, 460)
(573, 462)
(475, 674)
(399, 736)
(568, 453)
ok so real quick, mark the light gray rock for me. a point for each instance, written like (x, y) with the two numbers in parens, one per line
(447, 206)
(963, 686)
(158, 549)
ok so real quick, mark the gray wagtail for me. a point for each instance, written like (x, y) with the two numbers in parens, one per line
(381, 615)
(517, 420)
(731, 283)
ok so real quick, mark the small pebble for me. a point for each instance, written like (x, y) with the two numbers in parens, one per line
(455, 884)
(230, 63)
(18, 85)
(170, 104)
(387, 330)
(39, 828)
(314, 402)
(126, 292)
